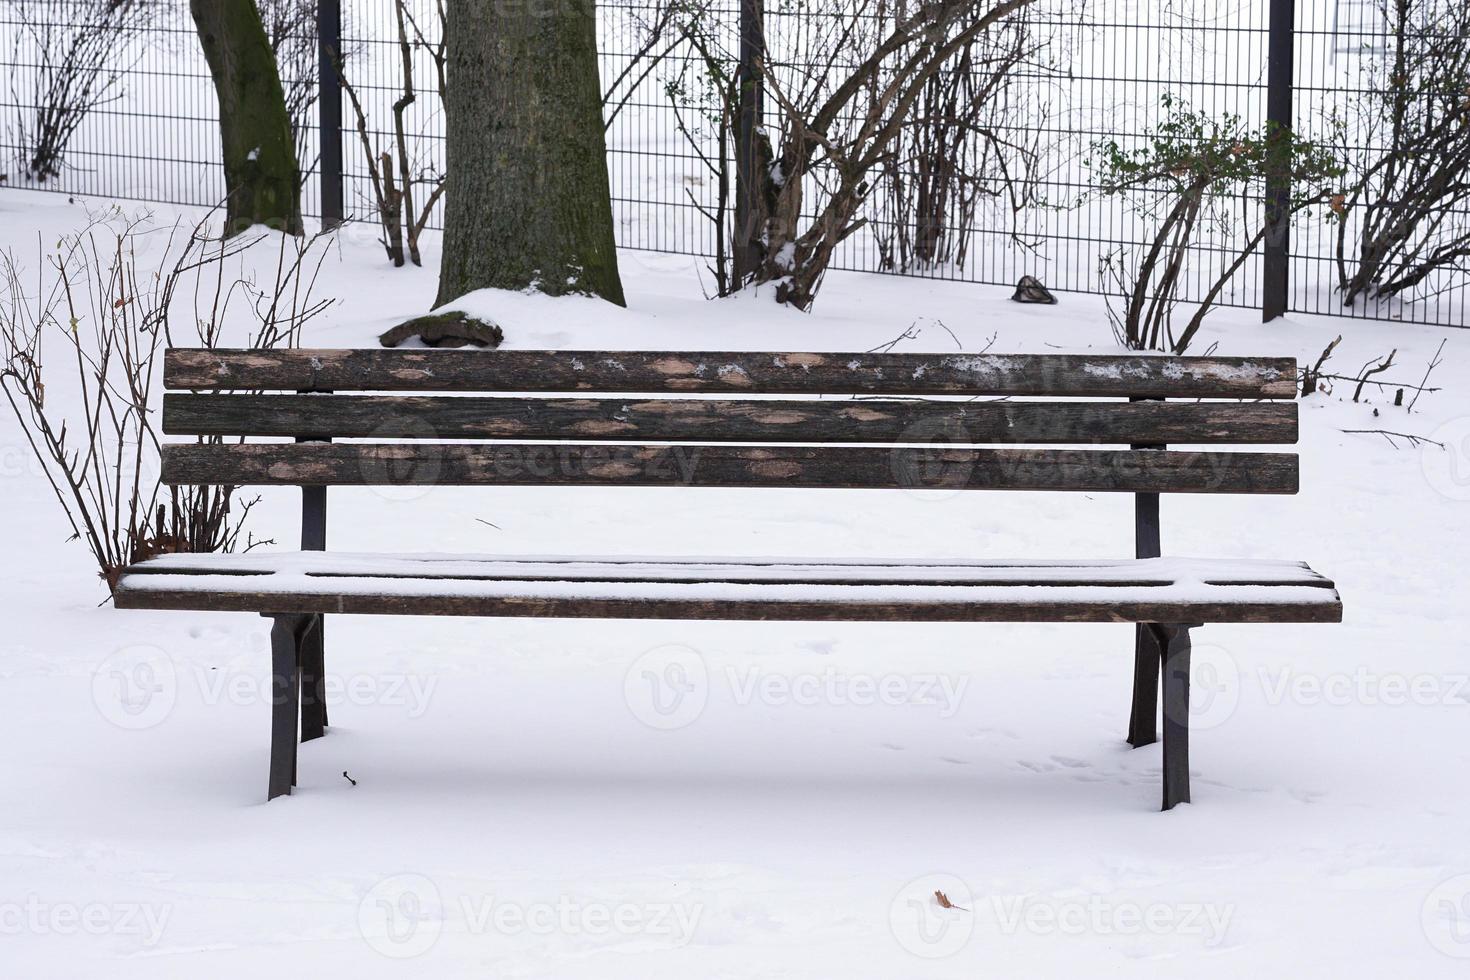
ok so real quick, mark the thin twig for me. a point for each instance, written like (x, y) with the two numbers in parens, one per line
(1434, 362)
(1391, 436)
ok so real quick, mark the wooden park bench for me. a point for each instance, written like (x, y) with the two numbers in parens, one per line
(690, 420)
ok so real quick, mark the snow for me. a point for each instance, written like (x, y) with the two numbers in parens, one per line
(1167, 580)
(543, 798)
(1160, 570)
(786, 257)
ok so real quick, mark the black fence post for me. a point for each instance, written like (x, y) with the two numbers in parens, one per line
(329, 108)
(1276, 272)
(749, 116)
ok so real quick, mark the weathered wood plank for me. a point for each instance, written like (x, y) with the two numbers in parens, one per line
(741, 588)
(1073, 375)
(720, 420)
(567, 464)
(138, 594)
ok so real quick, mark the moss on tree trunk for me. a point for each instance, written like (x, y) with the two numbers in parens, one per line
(261, 176)
(527, 203)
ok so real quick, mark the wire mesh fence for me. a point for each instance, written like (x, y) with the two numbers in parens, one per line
(1094, 71)
(1387, 84)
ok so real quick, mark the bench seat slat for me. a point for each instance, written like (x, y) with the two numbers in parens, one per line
(832, 467)
(722, 420)
(744, 372)
(1156, 590)
(1098, 571)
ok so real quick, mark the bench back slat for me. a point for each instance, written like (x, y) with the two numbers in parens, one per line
(1056, 375)
(830, 467)
(861, 421)
(720, 420)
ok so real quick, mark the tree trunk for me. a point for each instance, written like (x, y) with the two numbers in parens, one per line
(260, 156)
(527, 202)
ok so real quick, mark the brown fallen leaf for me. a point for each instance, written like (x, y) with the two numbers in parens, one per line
(945, 903)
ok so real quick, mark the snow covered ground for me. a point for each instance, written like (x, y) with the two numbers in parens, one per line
(526, 804)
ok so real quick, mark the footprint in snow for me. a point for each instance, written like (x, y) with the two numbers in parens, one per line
(989, 734)
(1036, 766)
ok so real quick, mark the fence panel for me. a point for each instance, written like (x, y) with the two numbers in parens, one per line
(1098, 72)
(1345, 63)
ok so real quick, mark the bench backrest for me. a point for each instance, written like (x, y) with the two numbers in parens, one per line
(694, 419)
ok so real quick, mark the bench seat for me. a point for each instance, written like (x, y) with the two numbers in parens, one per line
(1157, 590)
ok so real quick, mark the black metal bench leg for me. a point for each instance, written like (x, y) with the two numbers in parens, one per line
(1143, 727)
(313, 681)
(1175, 642)
(286, 637)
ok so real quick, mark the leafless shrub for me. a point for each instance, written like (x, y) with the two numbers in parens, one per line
(90, 419)
(80, 50)
(1403, 218)
(278, 303)
(399, 175)
(651, 34)
(1315, 378)
(703, 94)
(846, 113)
(865, 91)
(962, 149)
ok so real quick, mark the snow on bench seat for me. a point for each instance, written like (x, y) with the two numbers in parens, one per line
(1170, 590)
